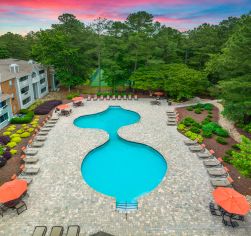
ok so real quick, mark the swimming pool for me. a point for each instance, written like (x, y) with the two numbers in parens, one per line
(119, 168)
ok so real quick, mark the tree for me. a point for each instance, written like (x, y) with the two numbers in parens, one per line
(177, 80)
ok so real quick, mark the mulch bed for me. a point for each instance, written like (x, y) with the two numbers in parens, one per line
(13, 164)
(241, 184)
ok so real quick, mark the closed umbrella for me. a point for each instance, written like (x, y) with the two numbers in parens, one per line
(12, 190)
(159, 94)
(76, 99)
(231, 201)
(63, 107)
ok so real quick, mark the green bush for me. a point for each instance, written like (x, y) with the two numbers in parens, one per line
(189, 121)
(11, 144)
(13, 151)
(210, 112)
(206, 121)
(20, 131)
(242, 159)
(247, 127)
(72, 95)
(208, 106)
(190, 108)
(194, 130)
(25, 135)
(236, 147)
(221, 140)
(11, 129)
(207, 134)
(221, 132)
(16, 139)
(227, 159)
(7, 133)
(23, 120)
(181, 127)
(194, 136)
(15, 135)
(197, 111)
(209, 116)
(211, 126)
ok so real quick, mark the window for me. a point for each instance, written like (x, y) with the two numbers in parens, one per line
(33, 75)
(23, 78)
(24, 89)
(42, 81)
(41, 72)
(2, 104)
(26, 100)
(4, 117)
(43, 90)
(10, 82)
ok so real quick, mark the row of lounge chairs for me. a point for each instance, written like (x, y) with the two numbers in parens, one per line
(172, 118)
(219, 176)
(113, 97)
(72, 230)
(29, 153)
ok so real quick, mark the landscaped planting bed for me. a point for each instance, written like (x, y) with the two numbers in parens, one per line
(46, 107)
(194, 124)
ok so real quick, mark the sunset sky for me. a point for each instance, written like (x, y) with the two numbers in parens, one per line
(22, 16)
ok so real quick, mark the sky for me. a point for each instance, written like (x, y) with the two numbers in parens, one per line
(23, 16)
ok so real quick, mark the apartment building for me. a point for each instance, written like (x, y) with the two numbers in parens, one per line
(21, 82)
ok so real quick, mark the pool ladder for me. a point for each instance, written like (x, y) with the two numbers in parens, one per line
(125, 207)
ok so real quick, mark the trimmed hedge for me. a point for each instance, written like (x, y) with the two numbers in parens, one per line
(23, 120)
(46, 107)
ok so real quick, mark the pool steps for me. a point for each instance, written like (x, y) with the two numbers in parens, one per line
(125, 207)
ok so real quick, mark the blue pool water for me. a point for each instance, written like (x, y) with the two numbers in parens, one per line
(119, 168)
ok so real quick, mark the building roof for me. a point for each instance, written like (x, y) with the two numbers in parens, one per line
(25, 68)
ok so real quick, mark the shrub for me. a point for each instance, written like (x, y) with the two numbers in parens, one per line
(221, 132)
(197, 111)
(194, 136)
(241, 159)
(2, 161)
(15, 135)
(25, 135)
(208, 106)
(247, 127)
(221, 140)
(236, 147)
(209, 116)
(7, 155)
(210, 112)
(1, 150)
(7, 133)
(227, 159)
(23, 120)
(207, 134)
(229, 152)
(20, 131)
(4, 139)
(11, 129)
(11, 144)
(46, 107)
(190, 108)
(16, 139)
(194, 130)
(30, 129)
(211, 126)
(72, 95)
(181, 127)
(13, 151)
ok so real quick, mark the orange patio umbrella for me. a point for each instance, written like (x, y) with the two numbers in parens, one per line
(12, 190)
(231, 201)
(63, 107)
(159, 93)
(76, 99)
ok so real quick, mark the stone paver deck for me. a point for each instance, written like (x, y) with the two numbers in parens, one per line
(59, 196)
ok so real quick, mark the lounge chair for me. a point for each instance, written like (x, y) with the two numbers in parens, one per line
(73, 230)
(101, 98)
(217, 172)
(191, 142)
(174, 116)
(30, 170)
(43, 133)
(30, 151)
(45, 129)
(30, 160)
(124, 97)
(135, 97)
(197, 148)
(51, 121)
(27, 179)
(49, 125)
(212, 162)
(36, 144)
(57, 231)
(39, 231)
(119, 97)
(170, 112)
(89, 98)
(95, 98)
(113, 97)
(66, 112)
(20, 207)
(171, 123)
(54, 117)
(108, 97)
(220, 182)
(129, 97)
(204, 155)
(40, 138)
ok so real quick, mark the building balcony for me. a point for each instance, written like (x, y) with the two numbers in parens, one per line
(4, 109)
(24, 83)
(25, 95)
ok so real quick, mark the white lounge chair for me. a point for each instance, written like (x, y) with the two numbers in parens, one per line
(124, 97)
(30, 170)
(30, 160)
(119, 97)
(30, 151)
(113, 97)
(129, 97)
(89, 98)
(135, 97)
(221, 182)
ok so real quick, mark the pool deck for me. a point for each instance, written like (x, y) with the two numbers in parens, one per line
(59, 196)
